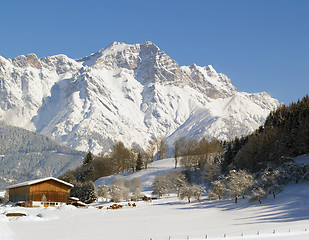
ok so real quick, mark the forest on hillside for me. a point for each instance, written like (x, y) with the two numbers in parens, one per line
(25, 155)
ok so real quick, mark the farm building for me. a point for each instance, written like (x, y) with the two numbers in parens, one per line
(41, 192)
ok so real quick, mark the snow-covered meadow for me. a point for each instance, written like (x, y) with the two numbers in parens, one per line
(286, 217)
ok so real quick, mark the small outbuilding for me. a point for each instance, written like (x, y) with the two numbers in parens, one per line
(40, 192)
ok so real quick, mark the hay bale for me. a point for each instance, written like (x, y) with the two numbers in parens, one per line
(16, 214)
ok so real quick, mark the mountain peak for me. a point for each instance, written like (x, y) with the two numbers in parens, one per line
(151, 45)
(116, 47)
(26, 61)
(131, 93)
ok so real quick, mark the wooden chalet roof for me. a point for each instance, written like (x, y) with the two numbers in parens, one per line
(32, 182)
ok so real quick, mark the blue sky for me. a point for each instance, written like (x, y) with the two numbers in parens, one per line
(262, 45)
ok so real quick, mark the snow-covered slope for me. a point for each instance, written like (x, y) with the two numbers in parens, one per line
(283, 218)
(147, 176)
(124, 92)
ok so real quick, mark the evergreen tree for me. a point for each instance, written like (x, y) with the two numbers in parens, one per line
(88, 158)
(85, 192)
(139, 162)
(284, 135)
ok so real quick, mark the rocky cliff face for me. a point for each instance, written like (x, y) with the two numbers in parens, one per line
(124, 92)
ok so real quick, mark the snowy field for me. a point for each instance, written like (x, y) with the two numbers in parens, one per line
(283, 218)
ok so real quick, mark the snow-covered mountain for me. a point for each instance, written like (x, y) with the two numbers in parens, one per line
(124, 92)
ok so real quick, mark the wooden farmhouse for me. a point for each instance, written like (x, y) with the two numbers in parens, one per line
(41, 192)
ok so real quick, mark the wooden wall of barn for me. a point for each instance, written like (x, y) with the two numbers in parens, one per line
(19, 194)
(51, 191)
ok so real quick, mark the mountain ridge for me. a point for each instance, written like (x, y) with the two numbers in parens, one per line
(126, 92)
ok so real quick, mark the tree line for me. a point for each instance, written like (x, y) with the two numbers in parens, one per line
(120, 159)
(253, 165)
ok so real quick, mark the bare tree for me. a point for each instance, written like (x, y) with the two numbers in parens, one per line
(195, 191)
(238, 183)
(161, 185)
(162, 148)
(118, 190)
(179, 147)
(198, 191)
(115, 193)
(126, 194)
(102, 191)
(211, 169)
(137, 194)
(218, 188)
(257, 194)
(178, 180)
(122, 157)
(190, 158)
(186, 192)
(270, 180)
(149, 153)
(136, 183)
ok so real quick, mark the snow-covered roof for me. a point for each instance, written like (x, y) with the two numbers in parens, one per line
(28, 183)
(74, 198)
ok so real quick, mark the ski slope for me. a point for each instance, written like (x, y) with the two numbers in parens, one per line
(283, 218)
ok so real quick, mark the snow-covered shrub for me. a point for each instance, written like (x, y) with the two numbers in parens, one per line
(118, 190)
(126, 194)
(102, 191)
(137, 194)
(161, 185)
(188, 192)
(116, 193)
(136, 183)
